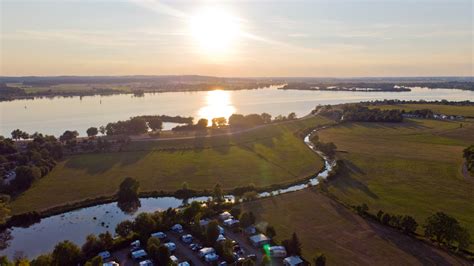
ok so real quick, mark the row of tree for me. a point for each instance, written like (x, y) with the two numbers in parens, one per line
(360, 113)
(439, 227)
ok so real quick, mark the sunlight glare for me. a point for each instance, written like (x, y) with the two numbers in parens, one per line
(215, 30)
(218, 104)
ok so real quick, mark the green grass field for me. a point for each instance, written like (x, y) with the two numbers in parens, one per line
(437, 108)
(411, 168)
(266, 156)
(324, 225)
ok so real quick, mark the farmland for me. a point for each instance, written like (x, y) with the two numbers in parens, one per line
(270, 155)
(324, 225)
(410, 168)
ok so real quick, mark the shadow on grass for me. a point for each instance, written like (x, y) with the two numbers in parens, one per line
(99, 163)
(424, 253)
(345, 180)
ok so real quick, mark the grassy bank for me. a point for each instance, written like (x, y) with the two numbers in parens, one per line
(324, 225)
(409, 168)
(270, 155)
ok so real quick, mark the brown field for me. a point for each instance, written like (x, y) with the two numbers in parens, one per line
(324, 225)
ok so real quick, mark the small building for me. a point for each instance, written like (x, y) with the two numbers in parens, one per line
(259, 240)
(224, 216)
(293, 261)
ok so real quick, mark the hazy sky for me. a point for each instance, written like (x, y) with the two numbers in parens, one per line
(237, 38)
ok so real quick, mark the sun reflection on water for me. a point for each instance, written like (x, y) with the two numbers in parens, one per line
(218, 104)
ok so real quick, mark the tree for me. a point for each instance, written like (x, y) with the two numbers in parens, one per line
(379, 215)
(152, 241)
(292, 116)
(66, 253)
(202, 123)
(4, 208)
(18, 134)
(4, 261)
(219, 122)
(292, 245)
(92, 132)
(320, 259)
(124, 228)
(92, 246)
(267, 118)
(155, 123)
(68, 135)
(218, 194)
(445, 229)
(95, 261)
(144, 224)
(212, 232)
(42, 260)
(154, 252)
(106, 240)
(102, 130)
(266, 260)
(163, 255)
(128, 190)
(386, 218)
(408, 224)
(270, 232)
(25, 176)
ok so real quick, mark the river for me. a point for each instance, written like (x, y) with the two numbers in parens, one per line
(54, 115)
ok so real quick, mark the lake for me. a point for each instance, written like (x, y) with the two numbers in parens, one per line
(55, 115)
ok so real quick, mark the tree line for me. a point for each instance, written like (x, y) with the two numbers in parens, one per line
(468, 155)
(360, 113)
(439, 227)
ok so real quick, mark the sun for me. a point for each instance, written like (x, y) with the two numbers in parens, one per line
(215, 30)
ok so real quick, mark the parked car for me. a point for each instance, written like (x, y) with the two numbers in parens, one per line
(222, 263)
(177, 228)
(195, 246)
(187, 238)
(104, 255)
(159, 235)
(252, 257)
(135, 244)
(204, 251)
(139, 254)
(174, 259)
(184, 263)
(277, 252)
(145, 263)
(211, 257)
(171, 246)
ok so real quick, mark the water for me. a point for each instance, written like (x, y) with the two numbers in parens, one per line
(55, 115)
(75, 225)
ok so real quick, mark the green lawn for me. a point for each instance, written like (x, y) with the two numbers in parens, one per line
(437, 108)
(324, 225)
(405, 168)
(266, 156)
